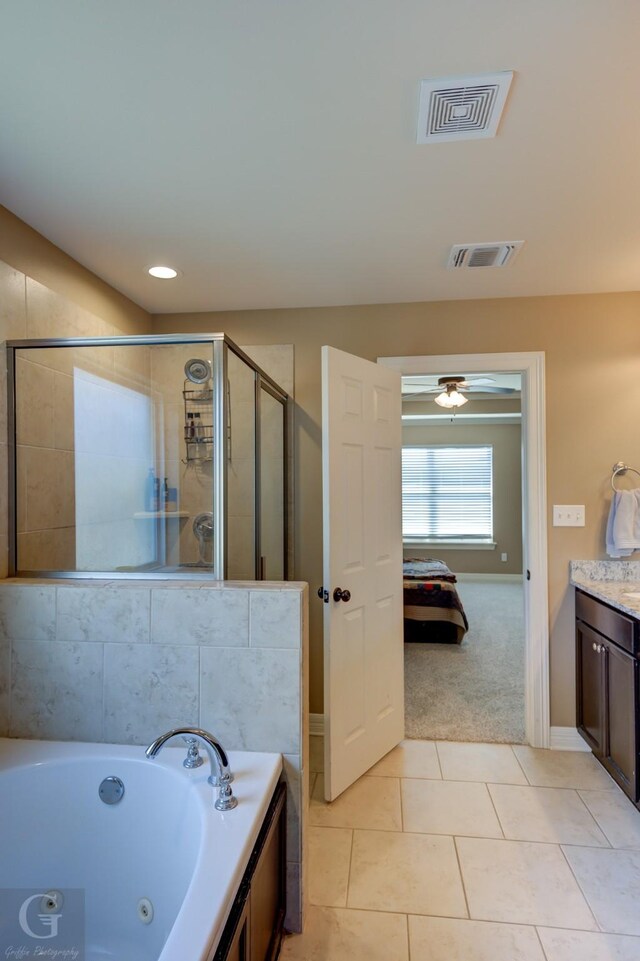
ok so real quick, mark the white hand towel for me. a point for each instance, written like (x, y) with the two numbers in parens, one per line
(623, 526)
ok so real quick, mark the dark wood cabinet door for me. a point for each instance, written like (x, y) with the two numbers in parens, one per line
(590, 687)
(621, 693)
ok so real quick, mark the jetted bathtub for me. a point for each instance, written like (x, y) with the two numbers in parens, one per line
(163, 842)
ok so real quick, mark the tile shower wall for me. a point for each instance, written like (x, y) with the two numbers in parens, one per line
(29, 309)
(122, 661)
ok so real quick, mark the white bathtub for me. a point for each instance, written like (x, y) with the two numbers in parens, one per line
(164, 841)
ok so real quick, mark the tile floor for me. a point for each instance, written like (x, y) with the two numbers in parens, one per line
(472, 852)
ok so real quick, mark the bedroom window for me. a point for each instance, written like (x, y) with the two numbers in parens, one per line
(447, 495)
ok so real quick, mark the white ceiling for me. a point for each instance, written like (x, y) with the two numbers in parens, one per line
(267, 148)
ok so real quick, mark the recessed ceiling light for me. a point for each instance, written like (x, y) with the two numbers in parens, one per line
(164, 273)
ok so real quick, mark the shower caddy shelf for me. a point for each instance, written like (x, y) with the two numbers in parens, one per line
(199, 444)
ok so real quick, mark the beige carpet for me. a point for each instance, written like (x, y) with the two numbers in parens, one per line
(473, 691)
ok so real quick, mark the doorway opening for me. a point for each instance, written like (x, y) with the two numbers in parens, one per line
(464, 635)
(529, 367)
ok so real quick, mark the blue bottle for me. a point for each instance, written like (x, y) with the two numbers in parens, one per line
(150, 491)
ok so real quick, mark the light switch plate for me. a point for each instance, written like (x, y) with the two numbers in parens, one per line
(568, 515)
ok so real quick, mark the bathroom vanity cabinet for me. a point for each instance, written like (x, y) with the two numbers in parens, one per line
(253, 931)
(607, 649)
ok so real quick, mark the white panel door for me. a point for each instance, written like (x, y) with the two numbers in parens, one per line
(362, 522)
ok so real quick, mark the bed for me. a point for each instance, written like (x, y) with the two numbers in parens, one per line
(433, 611)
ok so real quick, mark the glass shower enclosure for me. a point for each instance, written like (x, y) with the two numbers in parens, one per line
(146, 456)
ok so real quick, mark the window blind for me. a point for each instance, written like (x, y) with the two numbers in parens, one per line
(447, 493)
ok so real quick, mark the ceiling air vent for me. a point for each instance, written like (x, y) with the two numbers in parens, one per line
(462, 108)
(484, 255)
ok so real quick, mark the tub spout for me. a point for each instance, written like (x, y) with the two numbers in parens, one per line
(221, 775)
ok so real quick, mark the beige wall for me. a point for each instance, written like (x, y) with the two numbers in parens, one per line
(592, 346)
(507, 495)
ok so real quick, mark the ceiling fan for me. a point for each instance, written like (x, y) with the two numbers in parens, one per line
(451, 389)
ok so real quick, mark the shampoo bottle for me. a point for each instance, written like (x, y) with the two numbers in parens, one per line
(149, 490)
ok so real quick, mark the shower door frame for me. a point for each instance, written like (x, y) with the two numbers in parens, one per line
(220, 344)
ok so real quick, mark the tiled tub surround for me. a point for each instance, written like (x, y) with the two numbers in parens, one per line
(122, 661)
(609, 581)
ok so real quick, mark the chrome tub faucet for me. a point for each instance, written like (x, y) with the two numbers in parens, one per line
(221, 776)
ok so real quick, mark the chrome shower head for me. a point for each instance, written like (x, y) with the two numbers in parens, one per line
(198, 371)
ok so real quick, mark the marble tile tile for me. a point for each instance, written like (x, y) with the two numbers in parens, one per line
(13, 315)
(411, 873)
(52, 550)
(147, 690)
(316, 753)
(219, 617)
(572, 769)
(338, 934)
(448, 939)
(618, 818)
(448, 807)
(409, 759)
(5, 686)
(28, 613)
(369, 803)
(274, 619)
(56, 691)
(108, 615)
(50, 485)
(479, 762)
(35, 404)
(562, 945)
(64, 413)
(610, 881)
(251, 697)
(277, 361)
(293, 778)
(329, 860)
(522, 883)
(552, 814)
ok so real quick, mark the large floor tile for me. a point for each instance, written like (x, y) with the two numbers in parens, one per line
(449, 807)
(549, 814)
(446, 939)
(522, 883)
(329, 859)
(479, 762)
(610, 880)
(372, 802)
(562, 945)
(339, 934)
(410, 759)
(572, 769)
(617, 817)
(412, 873)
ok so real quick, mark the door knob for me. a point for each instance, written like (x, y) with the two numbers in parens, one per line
(340, 595)
(595, 646)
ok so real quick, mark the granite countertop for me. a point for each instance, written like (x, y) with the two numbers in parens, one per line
(611, 582)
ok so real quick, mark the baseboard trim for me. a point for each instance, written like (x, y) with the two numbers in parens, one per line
(316, 725)
(510, 578)
(566, 739)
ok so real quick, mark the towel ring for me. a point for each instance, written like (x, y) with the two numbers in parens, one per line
(620, 468)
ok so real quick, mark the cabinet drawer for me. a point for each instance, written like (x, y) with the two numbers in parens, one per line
(612, 624)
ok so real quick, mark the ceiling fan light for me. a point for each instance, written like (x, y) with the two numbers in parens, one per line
(451, 398)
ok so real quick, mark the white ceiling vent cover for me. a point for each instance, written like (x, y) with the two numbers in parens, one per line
(484, 255)
(462, 108)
